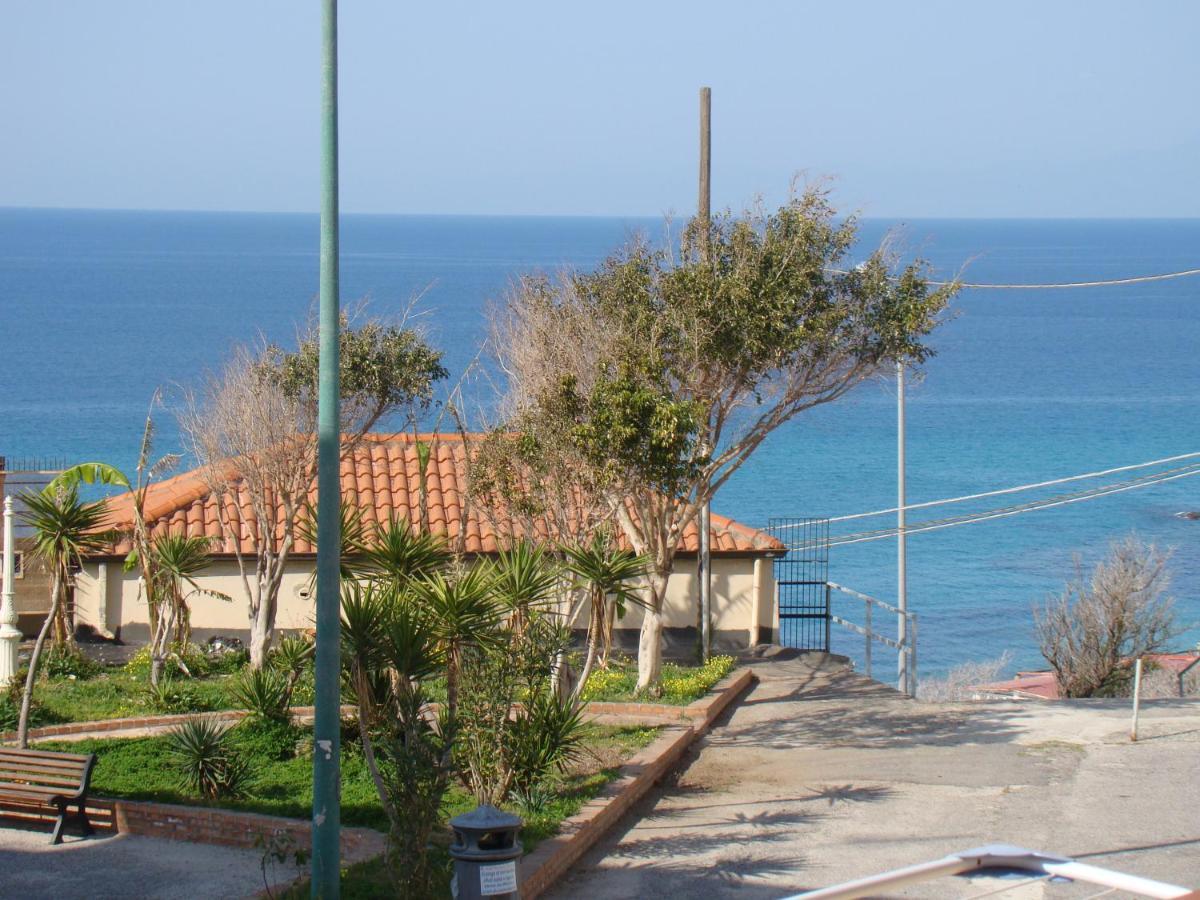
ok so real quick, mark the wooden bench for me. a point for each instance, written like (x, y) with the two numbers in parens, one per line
(49, 782)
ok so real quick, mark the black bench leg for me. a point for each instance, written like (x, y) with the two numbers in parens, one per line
(56, 838)
(85, 825)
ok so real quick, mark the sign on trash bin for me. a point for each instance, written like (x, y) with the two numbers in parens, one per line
(500, 878)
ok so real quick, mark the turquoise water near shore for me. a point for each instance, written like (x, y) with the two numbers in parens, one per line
(98, 308)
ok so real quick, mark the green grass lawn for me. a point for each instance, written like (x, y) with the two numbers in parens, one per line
(281, 760)
(680, 684)
(117, 693)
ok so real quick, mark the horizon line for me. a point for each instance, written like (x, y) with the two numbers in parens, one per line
(527, 215)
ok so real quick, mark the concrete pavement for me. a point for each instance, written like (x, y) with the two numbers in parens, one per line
(121, 867)
(820, 776)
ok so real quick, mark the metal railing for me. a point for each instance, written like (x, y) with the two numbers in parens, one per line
(1000, 859)
(906, 647)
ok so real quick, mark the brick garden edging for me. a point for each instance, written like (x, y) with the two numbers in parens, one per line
(229, 828)
(554, 857)
(539, 870)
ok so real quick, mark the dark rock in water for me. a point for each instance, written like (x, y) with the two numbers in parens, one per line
(1188, 515)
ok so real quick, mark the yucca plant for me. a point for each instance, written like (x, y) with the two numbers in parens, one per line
(178, 559)
(65, 529)
(390, 648)
(607, 573)
(525, 578)
(264, 692)
(545, 739)
(291, 659)
(398, 554)
(206, 763)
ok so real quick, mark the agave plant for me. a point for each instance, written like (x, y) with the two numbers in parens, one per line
(206, 763)
(264, 692)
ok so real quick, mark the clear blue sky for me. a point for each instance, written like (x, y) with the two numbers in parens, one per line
(914, 109)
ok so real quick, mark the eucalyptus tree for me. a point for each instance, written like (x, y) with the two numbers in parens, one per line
(667, 367)
(252, 426)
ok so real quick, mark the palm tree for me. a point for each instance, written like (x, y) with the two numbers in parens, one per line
(606, 572)
(525, 580)
(65, 530)
(178, 560)
(463, 611)
(398, 553)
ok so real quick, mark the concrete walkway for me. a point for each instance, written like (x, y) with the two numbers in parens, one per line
(121, 867)
(819, 776)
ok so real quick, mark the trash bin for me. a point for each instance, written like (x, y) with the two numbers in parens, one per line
(485, 853)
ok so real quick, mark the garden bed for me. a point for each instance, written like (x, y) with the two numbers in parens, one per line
(680, 684)
(280, 758)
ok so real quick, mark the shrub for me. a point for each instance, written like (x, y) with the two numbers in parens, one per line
(264, 692)
(959, 682)
(70, 662)
(207, 763)
(268, 738)
(684, 685)
(1121, 612)
(171, 696)
(544, 740)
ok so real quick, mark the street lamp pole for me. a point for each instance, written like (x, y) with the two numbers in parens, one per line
(326, 821)
(901, 547)
(10, 637)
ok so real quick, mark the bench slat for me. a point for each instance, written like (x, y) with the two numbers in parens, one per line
(8, 787)
(48, 780)
(72, 768)
(53, 755)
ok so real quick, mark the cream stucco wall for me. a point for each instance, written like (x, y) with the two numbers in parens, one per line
(109, 598)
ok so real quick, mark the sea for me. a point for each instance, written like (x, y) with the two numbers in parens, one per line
(98, 309)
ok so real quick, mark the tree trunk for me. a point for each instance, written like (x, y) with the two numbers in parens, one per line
(31, 676)
(650, 639)
(594, 628)
(610, 616)
(262, 625)
(650, 654)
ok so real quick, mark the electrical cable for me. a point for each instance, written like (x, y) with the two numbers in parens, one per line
(1032, 506)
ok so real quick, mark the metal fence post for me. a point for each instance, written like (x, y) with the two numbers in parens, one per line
(867, 639)
(912, 655)
(829, 622)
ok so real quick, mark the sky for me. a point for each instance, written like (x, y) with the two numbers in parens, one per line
(915, 109)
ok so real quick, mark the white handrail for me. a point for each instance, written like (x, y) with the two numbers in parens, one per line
(998, 857)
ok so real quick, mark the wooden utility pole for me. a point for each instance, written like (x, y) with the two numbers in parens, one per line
(704, 213)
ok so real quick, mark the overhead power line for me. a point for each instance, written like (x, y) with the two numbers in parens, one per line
(1021, 487)
(1031, 506)
(1052, 286)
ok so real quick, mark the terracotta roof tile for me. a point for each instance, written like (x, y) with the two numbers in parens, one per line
(381, 477)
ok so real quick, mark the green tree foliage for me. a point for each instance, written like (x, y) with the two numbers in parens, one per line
(666, 367)
(253, 428)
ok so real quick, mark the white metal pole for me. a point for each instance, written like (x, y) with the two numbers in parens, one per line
(704, 563)
(10, 637)
(1137, 697)
(901, 548)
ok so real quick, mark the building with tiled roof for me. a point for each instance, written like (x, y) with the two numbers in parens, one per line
(381, 478)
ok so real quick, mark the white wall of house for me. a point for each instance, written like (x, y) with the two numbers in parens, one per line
(109, 599)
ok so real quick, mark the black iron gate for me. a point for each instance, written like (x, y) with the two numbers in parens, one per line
(802, 582)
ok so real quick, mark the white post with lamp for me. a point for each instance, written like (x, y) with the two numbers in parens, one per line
(10, 637)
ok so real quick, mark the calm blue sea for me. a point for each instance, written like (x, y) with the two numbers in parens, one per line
(99, 308)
